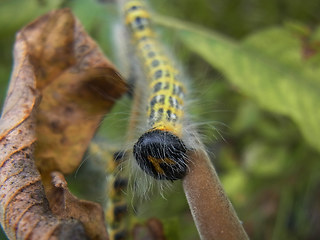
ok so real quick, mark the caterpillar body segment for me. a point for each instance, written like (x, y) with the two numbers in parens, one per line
(160, 151)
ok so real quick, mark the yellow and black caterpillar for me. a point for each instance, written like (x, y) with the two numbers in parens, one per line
(160, 151)
(116, 206)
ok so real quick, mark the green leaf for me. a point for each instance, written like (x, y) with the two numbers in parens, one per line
(268, 67)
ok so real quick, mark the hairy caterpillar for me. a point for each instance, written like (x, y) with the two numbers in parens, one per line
(160, 151)
(116, 206)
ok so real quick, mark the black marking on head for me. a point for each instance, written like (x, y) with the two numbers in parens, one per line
(161, 145)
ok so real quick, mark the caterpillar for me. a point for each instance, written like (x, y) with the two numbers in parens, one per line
(116, 208)
(159, 151)
(116, 205)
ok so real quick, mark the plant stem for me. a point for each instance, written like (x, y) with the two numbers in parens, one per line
(212, 211)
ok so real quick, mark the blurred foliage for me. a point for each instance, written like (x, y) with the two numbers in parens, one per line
(263, 141)
(278, 76)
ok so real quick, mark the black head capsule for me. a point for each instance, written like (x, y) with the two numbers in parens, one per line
(161, 154)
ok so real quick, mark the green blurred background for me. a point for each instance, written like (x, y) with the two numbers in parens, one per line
(263, 141)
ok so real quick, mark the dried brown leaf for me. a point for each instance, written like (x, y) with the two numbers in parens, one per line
(24, 209)
(65, 205)
(78, 86)
(60, 88)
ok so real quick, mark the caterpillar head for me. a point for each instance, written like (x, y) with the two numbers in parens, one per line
(161, 154)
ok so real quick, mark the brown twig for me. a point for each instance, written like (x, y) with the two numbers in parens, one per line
(212, 211)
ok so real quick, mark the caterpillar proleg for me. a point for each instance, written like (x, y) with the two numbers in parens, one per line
(160, 151)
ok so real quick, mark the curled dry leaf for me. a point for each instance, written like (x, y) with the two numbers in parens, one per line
(65, 205)
(24, 209)
(60, 88)
(78, 86)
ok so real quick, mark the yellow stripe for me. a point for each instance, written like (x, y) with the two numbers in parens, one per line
(156, 163)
